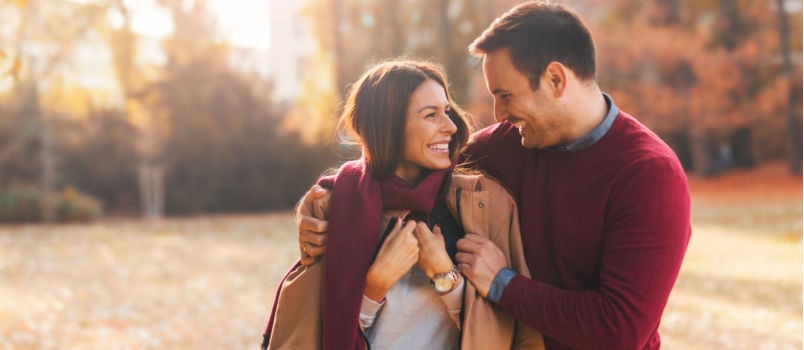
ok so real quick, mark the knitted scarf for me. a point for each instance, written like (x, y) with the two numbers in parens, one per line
(358, 200)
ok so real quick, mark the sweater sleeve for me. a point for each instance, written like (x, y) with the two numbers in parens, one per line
(368, 312)
(645, 237)
(454, 301)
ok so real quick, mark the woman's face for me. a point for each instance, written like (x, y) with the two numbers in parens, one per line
(428, 131)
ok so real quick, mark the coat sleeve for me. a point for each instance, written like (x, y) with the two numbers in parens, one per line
(505, 232)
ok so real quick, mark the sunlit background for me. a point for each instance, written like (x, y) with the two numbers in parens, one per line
(150, 151)
(161, 107)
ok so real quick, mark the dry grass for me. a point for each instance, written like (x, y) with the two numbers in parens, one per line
(200, 283)
(741, 282)
(206, 283)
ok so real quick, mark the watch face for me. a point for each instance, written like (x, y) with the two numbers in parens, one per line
(443, 284)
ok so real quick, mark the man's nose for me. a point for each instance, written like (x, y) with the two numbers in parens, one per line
(500, 111)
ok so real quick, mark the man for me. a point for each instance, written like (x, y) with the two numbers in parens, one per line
(604, 203)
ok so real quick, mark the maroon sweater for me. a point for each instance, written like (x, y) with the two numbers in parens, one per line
(604, 231)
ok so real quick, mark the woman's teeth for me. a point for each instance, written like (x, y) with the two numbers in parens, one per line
(440, 147)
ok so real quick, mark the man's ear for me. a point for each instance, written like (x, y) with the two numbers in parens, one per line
(556, 77)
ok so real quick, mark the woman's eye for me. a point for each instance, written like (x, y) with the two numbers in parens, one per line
(430, 116)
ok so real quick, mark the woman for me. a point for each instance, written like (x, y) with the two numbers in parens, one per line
(390, 280)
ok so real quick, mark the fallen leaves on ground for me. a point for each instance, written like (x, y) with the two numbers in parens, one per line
(208, 282)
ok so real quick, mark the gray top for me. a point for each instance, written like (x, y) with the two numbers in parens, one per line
(413, 315)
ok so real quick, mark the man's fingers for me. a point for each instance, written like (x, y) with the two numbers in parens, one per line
(315, 251)
(313, 238)
(467, 245)
(318, 191)
(321, 206)
(309, 223)
(466, 270)
(310, 252)
(305, 205)
(474, 237)
(306, 260)
(473, 243)
(465, 257)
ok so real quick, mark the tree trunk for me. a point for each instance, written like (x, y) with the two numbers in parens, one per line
(48, 172)
(679, 141)
(445, 28)
(152, 190)
(741, 149)
(337, 48)
(793, 126)
(732, 30)
(668, 13)
(396, 39)
(701, 152)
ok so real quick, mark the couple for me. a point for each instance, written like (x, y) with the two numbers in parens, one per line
(603, 202)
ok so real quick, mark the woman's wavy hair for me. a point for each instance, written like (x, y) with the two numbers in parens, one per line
(376, 109)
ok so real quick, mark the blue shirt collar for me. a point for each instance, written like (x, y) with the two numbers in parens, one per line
(596, 134)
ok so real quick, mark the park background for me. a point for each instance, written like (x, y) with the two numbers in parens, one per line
(151, 150)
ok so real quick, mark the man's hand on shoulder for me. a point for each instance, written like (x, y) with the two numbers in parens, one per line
(311, 219)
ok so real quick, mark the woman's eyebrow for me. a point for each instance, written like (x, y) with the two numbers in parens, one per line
(426, 107)
(446, 106)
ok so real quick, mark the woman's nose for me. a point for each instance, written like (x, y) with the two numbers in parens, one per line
(448, 126)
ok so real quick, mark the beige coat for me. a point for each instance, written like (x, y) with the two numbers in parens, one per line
(483, 206)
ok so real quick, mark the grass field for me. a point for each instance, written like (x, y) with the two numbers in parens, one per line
(207, 282)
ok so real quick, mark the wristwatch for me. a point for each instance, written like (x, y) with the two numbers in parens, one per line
(444, 282)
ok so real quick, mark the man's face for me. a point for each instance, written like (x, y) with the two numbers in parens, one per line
(533, 112)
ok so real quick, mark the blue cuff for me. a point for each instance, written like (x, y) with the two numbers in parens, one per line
(499, 283)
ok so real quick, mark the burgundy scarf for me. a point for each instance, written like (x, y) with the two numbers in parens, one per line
(358, 200)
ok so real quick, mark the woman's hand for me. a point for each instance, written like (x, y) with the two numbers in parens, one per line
(398, 254)
(433, 257)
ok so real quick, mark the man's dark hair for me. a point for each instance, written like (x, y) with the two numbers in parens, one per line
(537, 33)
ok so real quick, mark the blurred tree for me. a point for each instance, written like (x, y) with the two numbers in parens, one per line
(382, 29)
(444, 30)
(793, 82)
(225, 149)
(221, 141)
(44, 39)
(100, 163)
(703, 74)
(133, 83)
(19, 140)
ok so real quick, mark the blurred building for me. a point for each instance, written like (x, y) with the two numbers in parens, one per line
(285, 60)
